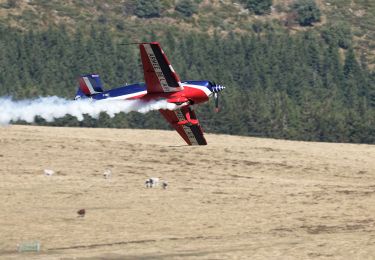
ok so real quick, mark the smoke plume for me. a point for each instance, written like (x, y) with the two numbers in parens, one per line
(53, 107)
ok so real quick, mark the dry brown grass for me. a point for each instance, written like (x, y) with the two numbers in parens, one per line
(238, 197)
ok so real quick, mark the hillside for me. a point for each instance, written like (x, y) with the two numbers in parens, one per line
(235, 198)
(287, 78)
(355, 18)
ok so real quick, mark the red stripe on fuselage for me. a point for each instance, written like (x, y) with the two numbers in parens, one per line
(188, 93)
(194, 94)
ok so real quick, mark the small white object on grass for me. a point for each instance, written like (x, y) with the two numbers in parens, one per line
(48, 172)
(152, 182)
(107, 174)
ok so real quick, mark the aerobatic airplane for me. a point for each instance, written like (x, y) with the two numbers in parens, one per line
(161, 82)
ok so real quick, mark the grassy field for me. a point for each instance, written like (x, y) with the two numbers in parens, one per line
(237, 198)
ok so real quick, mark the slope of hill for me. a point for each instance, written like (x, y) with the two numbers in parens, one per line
(221, 16)
(235, 198)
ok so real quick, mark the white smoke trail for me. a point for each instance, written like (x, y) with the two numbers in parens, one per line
(50, 108)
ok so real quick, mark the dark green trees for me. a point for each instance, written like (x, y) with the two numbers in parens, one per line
(338, 34)
(147, 8)
(10, 4)
(278, 85)
(307, 12)
(259, 7)
(186, 7)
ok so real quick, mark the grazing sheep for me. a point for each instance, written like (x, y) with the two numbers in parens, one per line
(107, 174)
(48, 172)
(152, 182)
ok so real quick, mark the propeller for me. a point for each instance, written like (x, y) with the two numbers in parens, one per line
(216, 97)
(216, 89)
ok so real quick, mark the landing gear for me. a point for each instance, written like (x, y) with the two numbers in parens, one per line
(189, 121)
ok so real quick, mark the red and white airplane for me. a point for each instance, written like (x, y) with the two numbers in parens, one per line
(161, 82)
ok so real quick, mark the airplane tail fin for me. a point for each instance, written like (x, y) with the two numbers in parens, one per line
(80, 94)
(89, 85)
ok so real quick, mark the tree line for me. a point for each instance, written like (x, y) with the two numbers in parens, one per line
(300, 86)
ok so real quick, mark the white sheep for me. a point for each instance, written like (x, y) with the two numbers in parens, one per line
(152, 182)
(107, 174)
(48, 172)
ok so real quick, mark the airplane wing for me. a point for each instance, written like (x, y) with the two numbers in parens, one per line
(181, 120)
(158, 72)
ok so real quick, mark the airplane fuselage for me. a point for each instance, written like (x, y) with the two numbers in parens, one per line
(194, 92)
